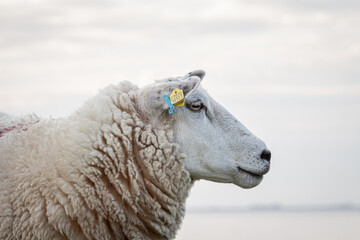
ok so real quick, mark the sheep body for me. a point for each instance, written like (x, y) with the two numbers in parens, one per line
(102, 173)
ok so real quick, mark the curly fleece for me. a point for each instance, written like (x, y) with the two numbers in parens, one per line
(102, 173)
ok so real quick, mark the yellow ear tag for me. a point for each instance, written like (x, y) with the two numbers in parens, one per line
(177, 97)
(180, 104)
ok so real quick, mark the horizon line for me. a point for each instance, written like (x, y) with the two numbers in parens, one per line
(345, 207)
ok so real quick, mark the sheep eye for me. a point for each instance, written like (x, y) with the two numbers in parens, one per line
(196, 106)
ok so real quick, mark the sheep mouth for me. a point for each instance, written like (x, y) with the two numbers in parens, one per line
(257, 175)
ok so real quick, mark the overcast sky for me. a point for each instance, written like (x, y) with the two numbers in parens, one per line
(288, 70)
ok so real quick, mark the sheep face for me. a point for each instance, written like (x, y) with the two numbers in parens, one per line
(217, 146)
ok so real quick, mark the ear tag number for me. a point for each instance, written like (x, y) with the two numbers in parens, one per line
(177, 97)
(171, 106)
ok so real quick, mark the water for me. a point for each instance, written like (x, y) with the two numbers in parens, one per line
(271, 225)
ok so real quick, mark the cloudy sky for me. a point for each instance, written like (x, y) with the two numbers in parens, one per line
(288, 70)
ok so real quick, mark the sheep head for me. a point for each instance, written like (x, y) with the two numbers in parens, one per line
(217, 146)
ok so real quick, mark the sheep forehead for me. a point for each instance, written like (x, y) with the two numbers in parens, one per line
(199, 94)
(219, 117)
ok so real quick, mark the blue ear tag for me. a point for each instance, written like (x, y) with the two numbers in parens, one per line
(171, 106)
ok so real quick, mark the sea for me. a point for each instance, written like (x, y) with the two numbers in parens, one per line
(271, 225)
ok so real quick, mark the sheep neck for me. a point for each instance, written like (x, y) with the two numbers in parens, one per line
(139, 177)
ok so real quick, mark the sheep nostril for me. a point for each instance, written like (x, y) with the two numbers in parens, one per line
(266, 155)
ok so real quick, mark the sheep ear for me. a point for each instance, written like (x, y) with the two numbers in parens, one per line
(195, 77)
(199, 73)
(153, 95)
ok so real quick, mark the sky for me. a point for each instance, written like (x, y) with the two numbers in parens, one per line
(288, 70)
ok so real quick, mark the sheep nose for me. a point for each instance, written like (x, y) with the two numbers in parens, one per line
(266, 155)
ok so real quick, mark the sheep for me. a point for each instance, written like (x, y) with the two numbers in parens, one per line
(122, 166)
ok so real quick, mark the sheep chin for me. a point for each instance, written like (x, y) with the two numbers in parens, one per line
(245, 179)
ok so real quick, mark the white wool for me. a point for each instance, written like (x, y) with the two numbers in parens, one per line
(102, 173)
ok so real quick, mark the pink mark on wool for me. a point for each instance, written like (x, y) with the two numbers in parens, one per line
(20, 126)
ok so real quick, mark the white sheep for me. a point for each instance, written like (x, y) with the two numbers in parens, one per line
(121, 167)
